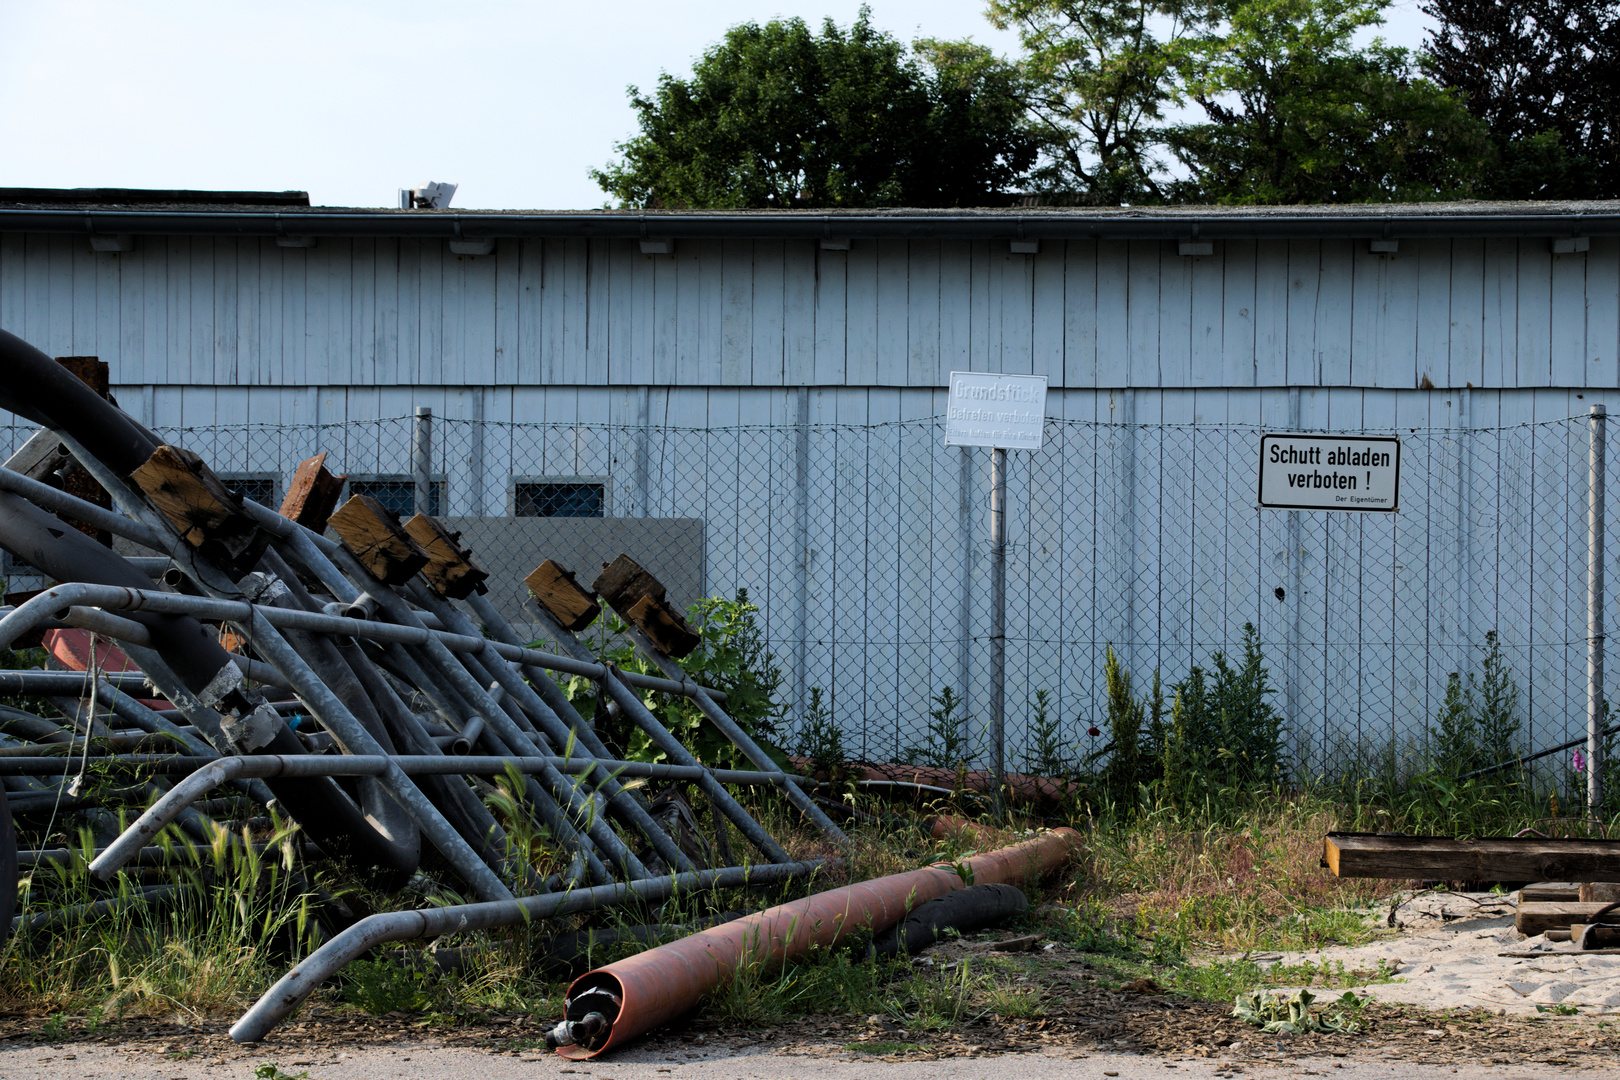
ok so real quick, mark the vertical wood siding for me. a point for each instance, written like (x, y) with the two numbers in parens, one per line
(225, 311)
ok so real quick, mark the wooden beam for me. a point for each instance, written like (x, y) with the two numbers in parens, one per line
(206, 513)
(371, 531)
(623, 582)
(1535, 919)
(668, 630)
(450, 569)
(1490, 859)
(74, 479)
(556, 590)
(313, 493)
(1551, 892)
(640, 598)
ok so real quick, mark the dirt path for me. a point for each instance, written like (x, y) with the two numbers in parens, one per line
(724, 1059)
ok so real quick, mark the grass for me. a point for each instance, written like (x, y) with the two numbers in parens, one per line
(1164, 892)
(881, 1047)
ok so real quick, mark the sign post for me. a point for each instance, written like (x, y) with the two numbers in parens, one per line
(1002, 412)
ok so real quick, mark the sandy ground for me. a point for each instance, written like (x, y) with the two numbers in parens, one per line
(1448, 956)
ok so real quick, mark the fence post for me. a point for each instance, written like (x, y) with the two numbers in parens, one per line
(998, 622)
(422, 459)
(801, 537)
(1594, 609)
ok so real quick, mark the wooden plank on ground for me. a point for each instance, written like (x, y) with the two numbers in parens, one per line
(1535, 919)
(1550, 892)
(1488, 859)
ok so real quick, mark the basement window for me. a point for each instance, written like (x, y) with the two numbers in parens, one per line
(260, 487)
(398, 493)
(559, 498)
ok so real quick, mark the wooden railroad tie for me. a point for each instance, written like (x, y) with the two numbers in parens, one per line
(206, 513)
(313, 494)
(450, 569)
(554, 588)
(372, 532)
(1487, 859)
(641, 599)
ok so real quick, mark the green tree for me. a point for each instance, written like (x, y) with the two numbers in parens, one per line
(1100, 74)
(1544, 77)
(1296, 113)
(778, 116)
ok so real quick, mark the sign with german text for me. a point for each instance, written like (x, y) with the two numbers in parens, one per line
(1330, 472)
(984, 409)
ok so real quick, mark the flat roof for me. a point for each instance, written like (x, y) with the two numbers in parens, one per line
(121, 211)
(151, 197)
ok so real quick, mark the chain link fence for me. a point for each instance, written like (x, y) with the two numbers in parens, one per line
(867, 552)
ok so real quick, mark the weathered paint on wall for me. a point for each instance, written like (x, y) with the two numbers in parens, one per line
(232, 312)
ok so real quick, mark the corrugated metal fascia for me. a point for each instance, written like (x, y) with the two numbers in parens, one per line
(1530, 220)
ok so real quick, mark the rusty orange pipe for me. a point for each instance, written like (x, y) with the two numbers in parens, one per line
(654, 987)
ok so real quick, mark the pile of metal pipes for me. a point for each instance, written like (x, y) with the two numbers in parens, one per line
(362, 686)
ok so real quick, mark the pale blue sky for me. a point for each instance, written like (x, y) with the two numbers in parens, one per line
(352, 100)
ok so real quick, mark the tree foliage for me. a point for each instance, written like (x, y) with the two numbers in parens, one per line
(1293, 110)
(1544, 77)
(1296, 113)
(778, 116)
(1100, 76)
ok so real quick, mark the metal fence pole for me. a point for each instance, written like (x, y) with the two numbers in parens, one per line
(1594, 610)
(998, 621)
(422, 460)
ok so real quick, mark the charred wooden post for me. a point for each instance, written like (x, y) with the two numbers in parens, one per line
(206, 513)
(450, 569)
(554, 587)
(372, 532)
(313, 494)
(641, 599)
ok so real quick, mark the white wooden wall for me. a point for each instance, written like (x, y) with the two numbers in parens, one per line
(202, 311)
(207, 332)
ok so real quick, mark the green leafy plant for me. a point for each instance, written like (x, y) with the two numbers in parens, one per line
(381, 986)
(1275, 1014)
(1048, 753)
(950, 742)
(732, 656)
(1478, 723)
(820, 738)
(269, 1070)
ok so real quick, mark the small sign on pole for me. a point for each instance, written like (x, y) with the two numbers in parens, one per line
(1005, 411)
(1330, 472)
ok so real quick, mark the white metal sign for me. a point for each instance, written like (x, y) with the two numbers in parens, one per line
(984, 409)
(1330, 472)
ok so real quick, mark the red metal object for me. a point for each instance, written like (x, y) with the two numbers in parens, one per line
(654, 987)
(71, 648)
